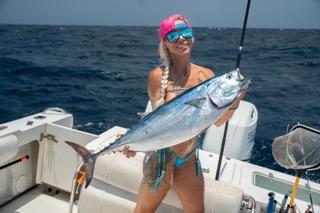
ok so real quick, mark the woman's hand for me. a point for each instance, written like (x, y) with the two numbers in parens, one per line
(126, 150)
(128, 153)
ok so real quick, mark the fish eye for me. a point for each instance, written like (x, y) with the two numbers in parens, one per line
(229, 76)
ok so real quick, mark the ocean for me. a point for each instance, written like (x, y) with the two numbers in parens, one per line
(99, 74)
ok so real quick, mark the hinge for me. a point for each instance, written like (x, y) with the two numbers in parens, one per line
(49, 137)
(206, 170)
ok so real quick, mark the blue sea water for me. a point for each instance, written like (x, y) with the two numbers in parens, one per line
(99, 74)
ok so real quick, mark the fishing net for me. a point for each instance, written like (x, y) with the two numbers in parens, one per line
(299, 149)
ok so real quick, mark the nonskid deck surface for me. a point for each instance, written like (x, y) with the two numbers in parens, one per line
(39, 200)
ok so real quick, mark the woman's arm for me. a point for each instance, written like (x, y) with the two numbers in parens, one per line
(154, 92)
(154, 88)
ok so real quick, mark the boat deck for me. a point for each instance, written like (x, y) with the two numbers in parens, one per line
(39, 200)
(253, 180)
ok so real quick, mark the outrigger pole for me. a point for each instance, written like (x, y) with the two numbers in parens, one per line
(238, 70)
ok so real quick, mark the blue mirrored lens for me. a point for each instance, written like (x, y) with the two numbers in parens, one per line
(174, 35)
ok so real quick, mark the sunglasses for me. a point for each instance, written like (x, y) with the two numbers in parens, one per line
(174, 36)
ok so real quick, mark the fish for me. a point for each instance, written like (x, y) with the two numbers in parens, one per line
(176, 121)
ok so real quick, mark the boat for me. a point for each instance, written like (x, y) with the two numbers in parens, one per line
(38, 170)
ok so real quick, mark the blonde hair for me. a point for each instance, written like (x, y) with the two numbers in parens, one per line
(165, 63)
(164, 56)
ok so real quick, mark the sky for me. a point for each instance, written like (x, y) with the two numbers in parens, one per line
(209, 13)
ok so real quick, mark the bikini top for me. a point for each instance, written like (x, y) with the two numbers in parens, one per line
(177, 90)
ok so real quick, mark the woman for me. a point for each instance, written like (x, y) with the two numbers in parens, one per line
(179, 165)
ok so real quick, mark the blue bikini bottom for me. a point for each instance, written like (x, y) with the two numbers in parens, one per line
(178, 162)
(155, 164)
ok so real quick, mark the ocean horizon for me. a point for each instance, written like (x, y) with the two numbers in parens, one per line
(99, 74)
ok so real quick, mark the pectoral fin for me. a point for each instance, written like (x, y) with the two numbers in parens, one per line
(196, 102)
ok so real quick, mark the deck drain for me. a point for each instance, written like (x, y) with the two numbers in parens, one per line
(39, 117)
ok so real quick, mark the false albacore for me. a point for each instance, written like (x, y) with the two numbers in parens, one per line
(178, 120)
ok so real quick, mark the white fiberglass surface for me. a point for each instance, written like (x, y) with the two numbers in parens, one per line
(282, 187)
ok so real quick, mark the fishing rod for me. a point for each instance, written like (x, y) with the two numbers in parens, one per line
(25, 157)
(244, 27)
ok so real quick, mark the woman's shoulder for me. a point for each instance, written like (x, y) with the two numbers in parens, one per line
(154, 87)
(155, 73)
(154, 79)
(203, 71)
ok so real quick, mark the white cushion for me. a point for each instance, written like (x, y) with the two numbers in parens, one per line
(116, 183)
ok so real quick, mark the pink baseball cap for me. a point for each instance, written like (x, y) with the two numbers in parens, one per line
(168, 25)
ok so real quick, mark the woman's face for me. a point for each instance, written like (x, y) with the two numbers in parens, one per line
(182, 46)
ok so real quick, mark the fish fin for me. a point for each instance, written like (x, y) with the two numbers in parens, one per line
(88, 160)
(232, 108)
(142, 114)
(196, 102)
(177, 91)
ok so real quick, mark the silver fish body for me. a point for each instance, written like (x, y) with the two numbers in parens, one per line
(184, 117)
(178, 120)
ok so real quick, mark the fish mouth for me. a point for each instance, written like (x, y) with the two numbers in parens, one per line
(244, 83)
(239, 78)
(236, 75)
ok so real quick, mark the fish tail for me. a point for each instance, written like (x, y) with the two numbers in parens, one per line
(88, 160)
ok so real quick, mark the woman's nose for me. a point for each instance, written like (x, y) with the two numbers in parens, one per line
(181, 37)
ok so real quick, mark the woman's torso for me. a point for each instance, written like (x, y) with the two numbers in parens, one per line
(197, 75)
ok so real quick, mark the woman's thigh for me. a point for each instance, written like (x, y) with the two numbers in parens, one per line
(189, 186)
(149, 200)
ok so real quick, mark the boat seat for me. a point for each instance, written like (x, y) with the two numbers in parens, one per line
(116, 183)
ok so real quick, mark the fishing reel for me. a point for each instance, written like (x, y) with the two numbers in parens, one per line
(248, 204)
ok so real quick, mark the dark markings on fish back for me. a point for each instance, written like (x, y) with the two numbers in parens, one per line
(167, 106)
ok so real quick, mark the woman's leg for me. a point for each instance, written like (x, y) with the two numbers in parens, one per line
(148, 200)
(189, 187)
